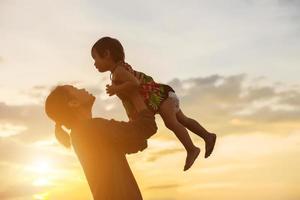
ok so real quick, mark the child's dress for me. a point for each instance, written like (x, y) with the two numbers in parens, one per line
(153, 93)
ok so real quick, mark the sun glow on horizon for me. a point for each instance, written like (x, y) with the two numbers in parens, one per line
(41, 170)
(42, 181)
(42, 196)
(41, 166)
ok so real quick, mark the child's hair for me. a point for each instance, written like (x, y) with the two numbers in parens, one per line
(112, 45)
(56, 107)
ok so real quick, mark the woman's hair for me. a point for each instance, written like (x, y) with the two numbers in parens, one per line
(113, 45)
(57, 109)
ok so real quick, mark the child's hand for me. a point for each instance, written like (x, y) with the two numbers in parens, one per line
(111, 90)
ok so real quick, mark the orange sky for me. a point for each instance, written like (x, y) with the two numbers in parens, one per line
(234, 65)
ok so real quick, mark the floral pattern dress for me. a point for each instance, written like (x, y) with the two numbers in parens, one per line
(153, 93)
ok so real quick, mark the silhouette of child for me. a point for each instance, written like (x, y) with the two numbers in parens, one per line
(130, 85)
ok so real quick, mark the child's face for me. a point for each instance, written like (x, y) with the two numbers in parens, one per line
(104, 63)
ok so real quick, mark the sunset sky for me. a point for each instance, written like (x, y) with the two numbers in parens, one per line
(235, 65)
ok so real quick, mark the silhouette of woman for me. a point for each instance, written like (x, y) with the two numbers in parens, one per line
(100, 144)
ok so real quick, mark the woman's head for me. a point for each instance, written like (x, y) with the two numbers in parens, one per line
(65, 105)
(56, 106)
(107, 52)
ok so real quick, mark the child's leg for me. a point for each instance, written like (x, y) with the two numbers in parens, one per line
(168, 113)
(195, 127)
(192, 125)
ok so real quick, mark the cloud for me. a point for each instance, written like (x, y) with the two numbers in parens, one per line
(219, 100)
(252, 159)
(17, 153)
(163, 187)
(289, 3)
(7, 130)
(38, 93)
(20, 190)
(226, 104)
(290, 97)
(153, 156)
(242, 112)
(32, 117)
(238, 37)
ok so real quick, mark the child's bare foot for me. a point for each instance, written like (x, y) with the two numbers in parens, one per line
(210, 144)
(191, 157)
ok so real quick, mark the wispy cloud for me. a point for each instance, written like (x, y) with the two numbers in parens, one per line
(7, 129)
(20, 190)
(163, 187)
(153, 156)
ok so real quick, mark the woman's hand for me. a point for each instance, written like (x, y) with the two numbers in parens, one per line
(111, 89)
(62, 136)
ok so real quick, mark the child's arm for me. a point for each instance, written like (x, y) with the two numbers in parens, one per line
(128, 82)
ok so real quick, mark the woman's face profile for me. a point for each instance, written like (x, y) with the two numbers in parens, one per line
(80, 95)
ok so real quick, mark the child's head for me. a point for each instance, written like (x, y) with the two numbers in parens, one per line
(107, 52)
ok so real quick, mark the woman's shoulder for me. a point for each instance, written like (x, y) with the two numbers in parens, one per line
(90, 124)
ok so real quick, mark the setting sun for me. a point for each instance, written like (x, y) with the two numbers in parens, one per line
(41, 181)
(42, 196)
(41, 166)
